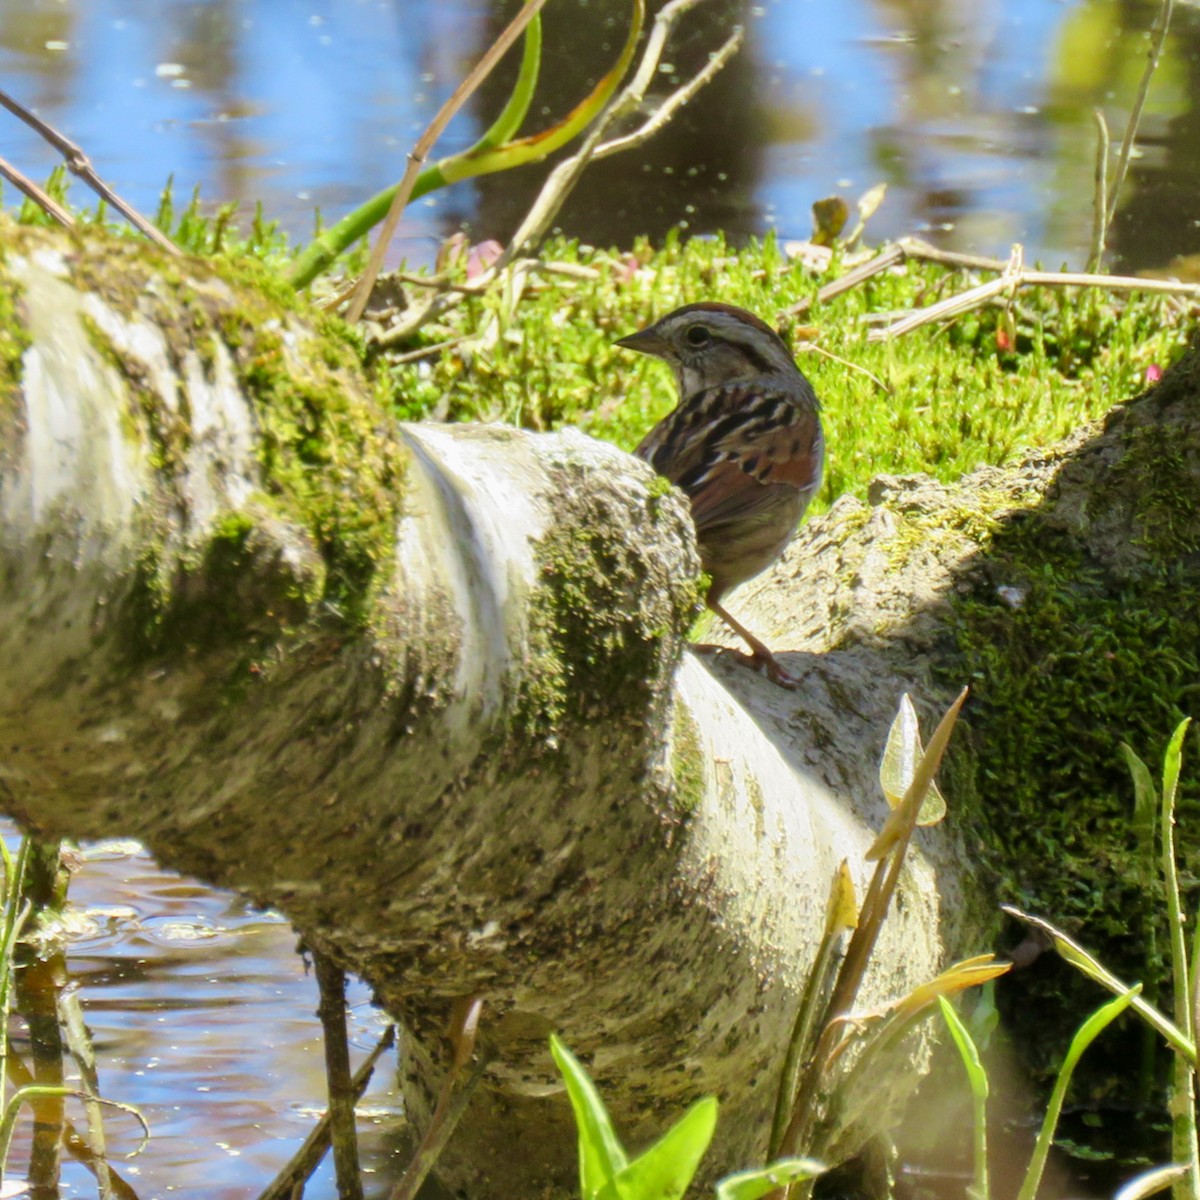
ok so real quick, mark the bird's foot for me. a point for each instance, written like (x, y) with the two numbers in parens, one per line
(760, 659)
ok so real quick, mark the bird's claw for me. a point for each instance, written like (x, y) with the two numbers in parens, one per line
(755, 661)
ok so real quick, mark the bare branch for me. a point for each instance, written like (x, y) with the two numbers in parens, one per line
(676, 100)
(954, 306)
(418, 154)
(565, 176)
(79, 164)
(38, 195)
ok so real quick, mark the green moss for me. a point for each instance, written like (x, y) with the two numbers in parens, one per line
(605, 623)
(326, 454)
(968, 523)
(585, 645)
(687, 761)
(941, 401)
(1087, 659)
(1160, 468)
(330, 462)
(14, 340)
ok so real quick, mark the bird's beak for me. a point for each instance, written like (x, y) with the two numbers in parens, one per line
(645, 341)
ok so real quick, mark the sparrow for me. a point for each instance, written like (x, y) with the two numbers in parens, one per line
(744, 443)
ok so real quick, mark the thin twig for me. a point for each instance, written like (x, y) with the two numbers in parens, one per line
(79, 1042)
(889, 848)
(331, 980)
(451, 294)
(427, 351)
(845, 362)
(1100, 193)
(73, 1142)
(562, 180)
(954, 306)
(897, 252)
(447, 1114)
(564, 177)
(677, 99)
(79, 164)
(39, 196)
(418, 154)
(308, 1158)
(463, 1031)
(1157, 40)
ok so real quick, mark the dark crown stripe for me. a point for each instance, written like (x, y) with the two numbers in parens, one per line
(729, 310)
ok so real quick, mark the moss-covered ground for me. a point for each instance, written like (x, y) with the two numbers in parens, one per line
(941, 400)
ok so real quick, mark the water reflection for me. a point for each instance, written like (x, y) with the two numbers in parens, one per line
(977, 113)
(202, 1016)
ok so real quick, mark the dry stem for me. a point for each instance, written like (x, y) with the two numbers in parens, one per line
(563, 178)
(418, 154)
(79, 164)
(308, 1158)
(1012, 277)
(39, 196)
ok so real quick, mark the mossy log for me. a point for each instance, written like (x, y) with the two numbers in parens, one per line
(424, 689)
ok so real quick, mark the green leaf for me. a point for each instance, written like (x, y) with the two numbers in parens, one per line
(750, 1185)
(481, 159)
(1073, 953)
(980, 1187)
(899, 825)
(665, 1170)
(510, 119)
(1145, 802)
(899, 764)
(538, 146)
(1171, 763)
(966, 1047)
(1084, 1037)
(601, 1155)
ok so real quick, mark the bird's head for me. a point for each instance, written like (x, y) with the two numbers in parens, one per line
(711, 344)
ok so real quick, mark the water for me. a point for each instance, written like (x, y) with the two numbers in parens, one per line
(202, 1016)
(976, 113)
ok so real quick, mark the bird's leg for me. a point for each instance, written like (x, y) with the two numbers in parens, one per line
(762, 657)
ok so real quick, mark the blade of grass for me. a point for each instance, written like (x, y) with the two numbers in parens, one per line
(1157, 40)
(977, 1078)
(513, 115)
(761, 1181)
(536, 146)
(38, 195)
(1084, 1037)
(1100, 193)
(1090, 966)
(1150, 1183)
(1184, 1144)
(840, 916)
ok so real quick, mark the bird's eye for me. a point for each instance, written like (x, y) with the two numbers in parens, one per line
(697, 335)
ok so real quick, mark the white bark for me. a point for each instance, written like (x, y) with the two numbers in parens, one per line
(505, 780)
